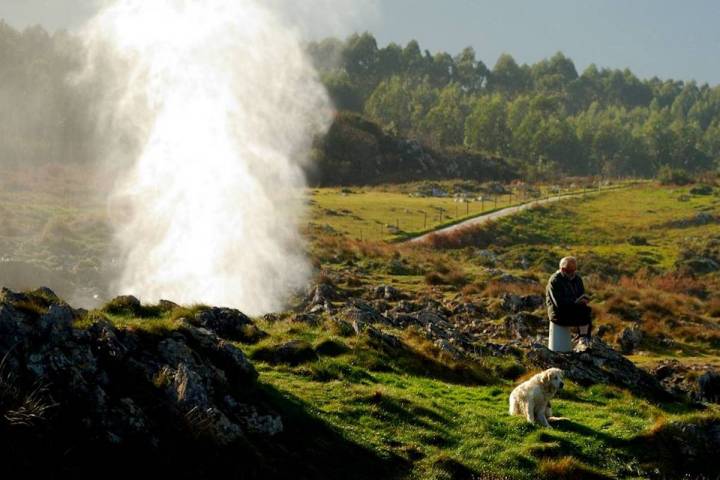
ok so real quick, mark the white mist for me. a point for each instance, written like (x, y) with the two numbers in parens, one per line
(209, 107)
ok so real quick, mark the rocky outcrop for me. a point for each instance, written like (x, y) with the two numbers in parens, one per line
(517, 303)
(523, 325)
(629, 340)
(388, 292)
(81, 397)
(682, 449)
(696, 382)
(599, 364)
(101, 386)
(227, 323)
(709, 386)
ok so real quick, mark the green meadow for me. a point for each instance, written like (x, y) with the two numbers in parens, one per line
(432, 416)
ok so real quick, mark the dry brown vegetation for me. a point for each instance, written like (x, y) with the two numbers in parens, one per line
(664, 307)
(566, 468)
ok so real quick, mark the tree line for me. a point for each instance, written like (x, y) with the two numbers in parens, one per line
(546, 119)
(543, 119)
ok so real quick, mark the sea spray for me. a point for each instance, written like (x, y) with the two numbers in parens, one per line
(208, 109)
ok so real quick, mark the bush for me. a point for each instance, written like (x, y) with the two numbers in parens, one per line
(637, 240)
(673, 176)
(701, 190)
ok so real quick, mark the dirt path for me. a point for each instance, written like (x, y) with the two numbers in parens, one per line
(504, 212)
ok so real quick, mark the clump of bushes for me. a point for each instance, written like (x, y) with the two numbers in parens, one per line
(442, 274)
(701, 190)
(673, 176)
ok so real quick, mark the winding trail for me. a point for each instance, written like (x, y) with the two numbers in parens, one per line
(503, 212)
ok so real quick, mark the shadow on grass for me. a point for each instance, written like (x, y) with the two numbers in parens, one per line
(566, 425)
(574, 397)
(310, 448)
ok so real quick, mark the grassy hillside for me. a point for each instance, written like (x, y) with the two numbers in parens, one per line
(649, 256)
(648, 253)
(433, 417)
(396, 212)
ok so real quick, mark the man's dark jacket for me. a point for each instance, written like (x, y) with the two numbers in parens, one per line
(560, 296)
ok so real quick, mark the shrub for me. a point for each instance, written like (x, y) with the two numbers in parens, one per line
(673, 176)
(701, 190)
(637, 240)
(127, 305)
(21, 406)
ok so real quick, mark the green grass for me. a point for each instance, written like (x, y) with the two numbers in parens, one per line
(604, 224)
(444, 418)
(427, 420)
(395, 212)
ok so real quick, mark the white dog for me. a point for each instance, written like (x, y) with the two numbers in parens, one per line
(532, 398)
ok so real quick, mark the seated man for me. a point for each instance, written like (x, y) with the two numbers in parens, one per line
(566, 300)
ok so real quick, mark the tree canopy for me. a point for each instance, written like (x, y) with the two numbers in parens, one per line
(544, 116)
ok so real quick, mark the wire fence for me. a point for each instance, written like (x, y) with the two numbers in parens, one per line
(446, 210)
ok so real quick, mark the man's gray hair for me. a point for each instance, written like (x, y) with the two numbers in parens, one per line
(566, 260)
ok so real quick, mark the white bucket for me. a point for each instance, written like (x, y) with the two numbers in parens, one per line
(560, 338)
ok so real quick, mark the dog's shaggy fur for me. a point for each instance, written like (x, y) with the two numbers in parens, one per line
(532, 398)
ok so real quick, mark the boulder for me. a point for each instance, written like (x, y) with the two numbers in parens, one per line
(360, 313)
(709, 387)
(311, 319)
(523, 325)
(387, 292)
(383, 340)
(629, 340)
(599, 364)
(468, 309)
(320, 298)
(228, 323)
(516, 303)
(511, 302)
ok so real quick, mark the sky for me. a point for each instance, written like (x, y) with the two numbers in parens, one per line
(664, 38)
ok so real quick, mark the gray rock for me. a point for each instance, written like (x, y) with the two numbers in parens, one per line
(517, 303)
(363, 313)
(307, 318)
(709, 387)
(57, 321)
(185, 386)
(212, 422)
(167, 305)
(384, 340)
(387, 292)
(629, 340)
(224, 354)
(522, 325)
(118, 385)
(320, 298)
(599, 364)
(107, 344)
(532, 302)
(511, 302)
(468, 309)
(228, 323)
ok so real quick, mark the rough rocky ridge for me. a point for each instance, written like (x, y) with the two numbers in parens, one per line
(81, 394)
